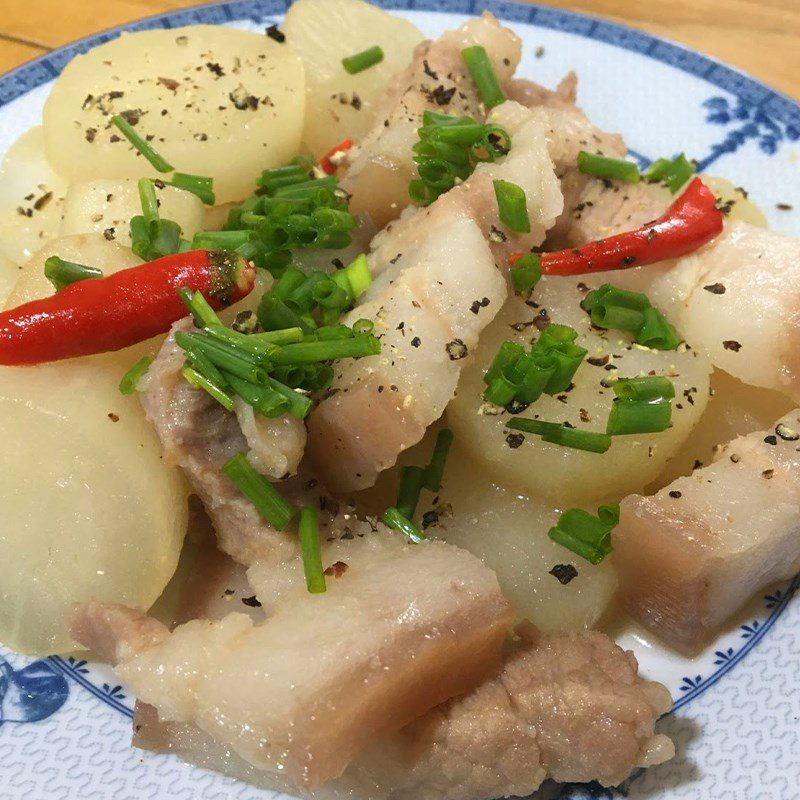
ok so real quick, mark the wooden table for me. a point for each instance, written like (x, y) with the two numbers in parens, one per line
(760, 36)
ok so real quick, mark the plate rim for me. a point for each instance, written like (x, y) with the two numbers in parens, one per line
(23, 79)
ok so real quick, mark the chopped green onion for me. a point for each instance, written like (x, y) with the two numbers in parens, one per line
(225, 357)
(198, 307)
(272, 179)
(126, 129)
(198, 381)
(363, 60)
(638, 416)
(611, 307)
(313, 352)
(62, 273)
(259, 491)
(130, 380)
(435, 469)
(220, 240)
(412, 480)
(198, 185)
(355, 278)
(647, 387)
(682, 169)
(526, 273)
(588, 441)
(201, 363)
(656, 332)
(513, 206)
(613, 169)
(672, 172)
(148, 199)
(263, 399)
(299, 405)
(301, 299)
(480, 68)
(584, 534)
(396, 521)
(283, 336)
(308, 531)
(274, 314)
(363, 326)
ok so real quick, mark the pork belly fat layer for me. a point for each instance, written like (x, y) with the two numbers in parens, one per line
(403, 628)
(542, 716)
(691, 555)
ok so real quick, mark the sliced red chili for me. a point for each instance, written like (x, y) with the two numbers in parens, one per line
(104, 314)
(325, 162)
(691, 221)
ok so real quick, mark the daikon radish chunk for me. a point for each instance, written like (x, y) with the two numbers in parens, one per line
(9, 273)
(211, 100)
(556, 474)
(690, 556)
(322, 32)
(31, 198)
(106, 206)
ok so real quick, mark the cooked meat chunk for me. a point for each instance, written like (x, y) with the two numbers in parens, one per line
(568, 706)
(421, 303)
(437, 80)
(199, 435)
(690, 556)
(402, 629)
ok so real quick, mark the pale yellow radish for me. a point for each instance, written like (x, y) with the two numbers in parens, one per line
(212, 100)
(322, 32)
(31, 197)
(107, 205)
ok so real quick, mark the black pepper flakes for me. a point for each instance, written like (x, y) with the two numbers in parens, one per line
(715, 288)
(109, 234)
(732, 344)
(768, 473)
(430, 518)
(113, 417)
(564, 573)
(783, 206)
(416, 341)
(252, 602)
(276, 34)
(428, 71)
(773, 440)
(598, 361)
(456, 350)
(675, 495)
(514, 440)
(336, 570)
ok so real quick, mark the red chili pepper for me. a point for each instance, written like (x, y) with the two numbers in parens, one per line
(325, 163)
(101, 314)
(691, 221)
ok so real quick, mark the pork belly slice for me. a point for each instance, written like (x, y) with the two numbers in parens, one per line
(567, 706)
(437, 79)
(691, 555)
(199, 435)
(401, 628)
(736, 299)
(528, 165)
(429, 306)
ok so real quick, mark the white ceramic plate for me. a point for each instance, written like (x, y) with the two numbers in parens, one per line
(65, 723)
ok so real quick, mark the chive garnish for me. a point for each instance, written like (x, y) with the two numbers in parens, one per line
(62, 273)
(672, 172)
(198, 185)
(220, 240)
(226, 357)
(584, 534)
(130, 380)
(526, 273)
(480, 68)
(513, 206)
(435, 469)
(126, 129)
(308, 531)
(613, 169)
(647, 387)
(200, 381)
(412, 480)
(642, 405)
(355, 278)
(396, 521)
(363, 60)
(198, 307)
(611, 307)
(313, 352)
(552, 432)
(269, 503)
(151, 236)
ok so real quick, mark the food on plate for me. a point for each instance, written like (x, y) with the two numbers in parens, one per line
(199, 94)
(690, 556)
(441, 387)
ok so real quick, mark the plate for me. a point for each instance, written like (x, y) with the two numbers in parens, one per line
(65, 722)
